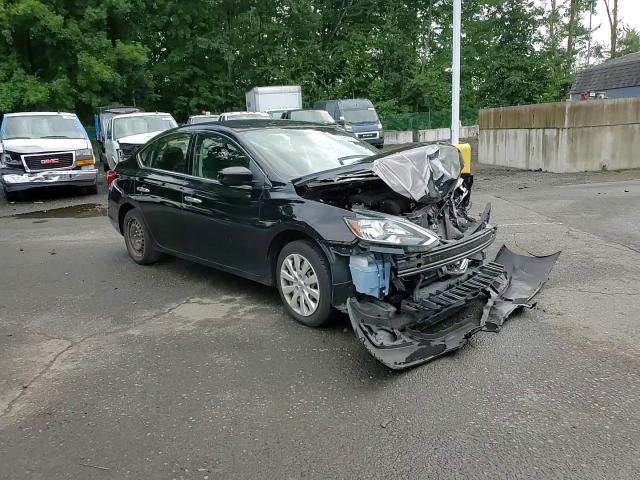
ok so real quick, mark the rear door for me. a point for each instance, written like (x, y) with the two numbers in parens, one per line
(160, 186)
(223, 220)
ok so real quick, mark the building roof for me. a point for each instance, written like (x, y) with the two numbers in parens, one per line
(616, 73)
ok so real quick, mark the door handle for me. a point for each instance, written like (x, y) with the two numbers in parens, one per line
(143, 189)
(195, 200)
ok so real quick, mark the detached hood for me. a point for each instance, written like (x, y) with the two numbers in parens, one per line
(140, 138)
(35, 145)
(425, 174)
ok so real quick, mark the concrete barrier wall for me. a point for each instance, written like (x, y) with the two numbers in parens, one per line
(563, 137)
(397, 137)
(393, 137)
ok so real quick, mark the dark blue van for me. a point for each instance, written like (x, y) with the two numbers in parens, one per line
(358, 116)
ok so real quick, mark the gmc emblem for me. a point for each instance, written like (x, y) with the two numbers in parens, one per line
(49, 161)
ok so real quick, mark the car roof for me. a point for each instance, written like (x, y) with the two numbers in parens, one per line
(307, 110)
(28, 114)
(141, 114)
(242, 113)
(255, 124)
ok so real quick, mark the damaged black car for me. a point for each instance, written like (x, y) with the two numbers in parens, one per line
(334, 225)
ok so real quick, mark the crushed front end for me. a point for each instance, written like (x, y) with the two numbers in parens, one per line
(423, 282)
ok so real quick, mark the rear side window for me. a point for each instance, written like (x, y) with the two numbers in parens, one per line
(167, 153)
(214, 153)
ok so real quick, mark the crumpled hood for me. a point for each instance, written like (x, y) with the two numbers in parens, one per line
(36, 145)
(425, 174)
(140, 138)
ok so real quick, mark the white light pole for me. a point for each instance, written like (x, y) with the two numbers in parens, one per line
(455, 78)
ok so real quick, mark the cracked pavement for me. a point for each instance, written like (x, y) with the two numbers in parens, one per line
(113, 370)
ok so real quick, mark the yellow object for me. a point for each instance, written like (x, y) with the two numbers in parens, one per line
(88, 161)
(465, 151)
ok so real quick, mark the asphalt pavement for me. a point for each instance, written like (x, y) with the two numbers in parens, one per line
(112, 370)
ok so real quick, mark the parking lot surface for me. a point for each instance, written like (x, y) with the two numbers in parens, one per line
(109, 369)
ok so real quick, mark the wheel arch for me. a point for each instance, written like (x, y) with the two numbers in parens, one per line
(287, 236)
(124, 208)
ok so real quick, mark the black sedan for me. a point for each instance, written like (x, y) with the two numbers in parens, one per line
(331, 223)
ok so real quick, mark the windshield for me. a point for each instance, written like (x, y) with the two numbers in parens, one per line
(247, 116)
(204, 119)
(42, 126)
(315, 116)
(298, 152)
(364, 115)
(124, 127)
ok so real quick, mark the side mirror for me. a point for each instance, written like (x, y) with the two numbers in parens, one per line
(341, 121)
(235, 176)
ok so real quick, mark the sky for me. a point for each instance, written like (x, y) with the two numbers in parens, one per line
(628, 11)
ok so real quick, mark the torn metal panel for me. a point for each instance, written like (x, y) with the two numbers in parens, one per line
(425, 174)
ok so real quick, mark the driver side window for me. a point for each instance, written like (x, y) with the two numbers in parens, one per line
(214, 153)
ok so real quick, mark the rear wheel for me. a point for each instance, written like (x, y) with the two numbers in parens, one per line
(304, 282)
(137, 238)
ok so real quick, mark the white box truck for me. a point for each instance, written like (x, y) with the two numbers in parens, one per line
(274, 100)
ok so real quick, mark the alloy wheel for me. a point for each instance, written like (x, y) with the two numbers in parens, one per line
(299, 284)
(136, 236)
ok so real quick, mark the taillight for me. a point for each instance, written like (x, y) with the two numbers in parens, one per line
(111, 176)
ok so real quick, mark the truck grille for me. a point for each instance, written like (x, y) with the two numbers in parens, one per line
(48, 161)
(367, 135)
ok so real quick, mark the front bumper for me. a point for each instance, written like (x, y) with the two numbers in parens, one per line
(441, 320)
(14, 182)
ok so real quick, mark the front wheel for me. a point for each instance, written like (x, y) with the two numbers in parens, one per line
(137, 238)
(303, 278)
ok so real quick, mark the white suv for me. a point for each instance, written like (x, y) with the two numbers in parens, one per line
(39, 149)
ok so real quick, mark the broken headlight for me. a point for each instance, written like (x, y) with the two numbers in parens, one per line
(7, 159)
(390, 230)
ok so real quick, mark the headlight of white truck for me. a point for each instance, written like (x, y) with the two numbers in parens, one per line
(84, 157)
(6, 159)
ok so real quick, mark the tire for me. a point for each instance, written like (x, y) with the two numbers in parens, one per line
(137, 238)
(297, 263)
(10, 196)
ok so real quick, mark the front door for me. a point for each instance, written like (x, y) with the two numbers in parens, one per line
(159, 188)
(222, 220)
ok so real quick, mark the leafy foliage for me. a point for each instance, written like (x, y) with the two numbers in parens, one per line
(191, 55)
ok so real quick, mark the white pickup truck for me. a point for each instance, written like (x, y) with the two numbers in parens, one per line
(125, 133)
(41, 149)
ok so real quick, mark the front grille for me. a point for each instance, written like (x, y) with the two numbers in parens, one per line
(367, 135)
(444, 255)
(438, 305)
(48, 161)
